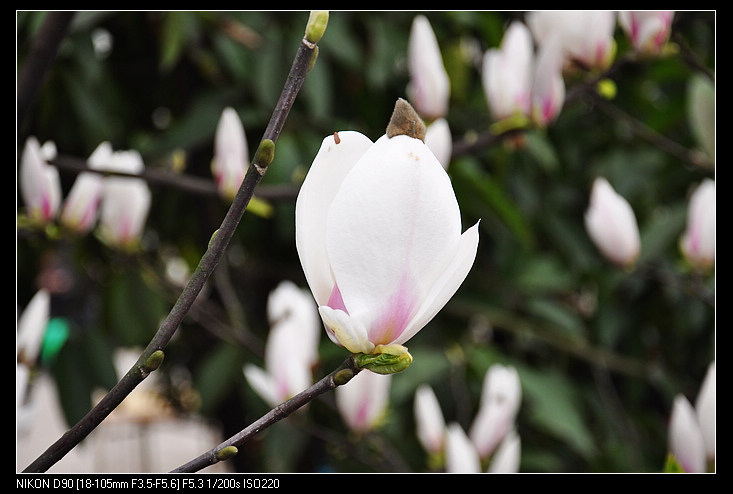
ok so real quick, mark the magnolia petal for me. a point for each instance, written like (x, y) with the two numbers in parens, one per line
(447, 285)
(349, 332)
(393, 227)
(337, 155)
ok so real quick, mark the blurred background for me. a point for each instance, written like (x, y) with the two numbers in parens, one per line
(600, 351)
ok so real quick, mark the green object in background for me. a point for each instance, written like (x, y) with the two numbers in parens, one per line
(57, 333)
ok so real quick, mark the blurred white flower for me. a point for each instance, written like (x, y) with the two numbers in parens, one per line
(507, 73)
(291, 349)
(507, 457)
(705, 409)
(501, 395)
(81, 205)
(584, 36)
(698, 241)
(40, 186)
(460, 453)
(429, 420)
(429, 88)
(611, 224)
(32, 327)
(125, 201)
(231, 154)
(363, 401)
(521, 84)
(439, 140)
(548, 86)
(685, 437)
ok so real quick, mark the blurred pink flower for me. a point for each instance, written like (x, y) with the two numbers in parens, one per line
(507, 73)
(584, 36)
(40, 186)
(698, 241)
(363, 401)
(82, 203)
(611, 224)
(647, 30)
(125, 201)
(521, 84)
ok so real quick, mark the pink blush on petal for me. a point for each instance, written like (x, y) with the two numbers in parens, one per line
(335, 301)
(396, 316)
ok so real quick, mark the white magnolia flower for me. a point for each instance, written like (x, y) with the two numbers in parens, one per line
(378, 232)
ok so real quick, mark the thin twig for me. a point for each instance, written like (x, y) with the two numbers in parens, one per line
(228, 448)
(149, 359)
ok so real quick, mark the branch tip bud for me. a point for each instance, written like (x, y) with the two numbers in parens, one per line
(405, 121)
(316, 27)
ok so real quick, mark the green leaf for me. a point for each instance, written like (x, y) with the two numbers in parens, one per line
(553, 404)
(493, 195)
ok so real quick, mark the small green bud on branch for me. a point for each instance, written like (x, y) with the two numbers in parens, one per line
(343, 376)
(265, 153)
(154, 361)
(226, 453)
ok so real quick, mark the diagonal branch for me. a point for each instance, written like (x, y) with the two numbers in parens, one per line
(152, 356)
(229, 448)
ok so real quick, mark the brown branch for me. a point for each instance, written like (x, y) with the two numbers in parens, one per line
(229, 448)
